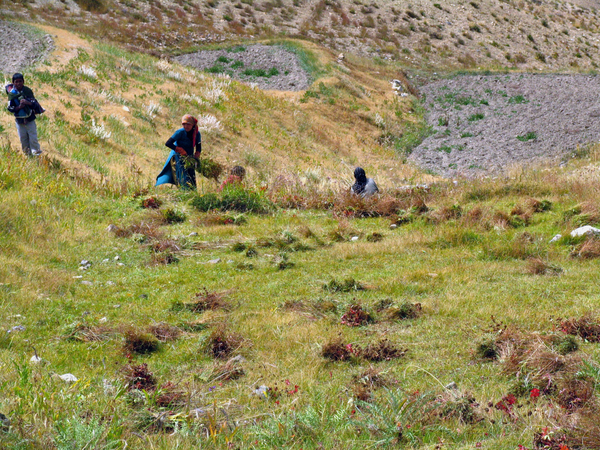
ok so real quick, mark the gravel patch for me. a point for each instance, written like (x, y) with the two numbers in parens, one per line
(268, 66)
(22, 47)
(486, 124)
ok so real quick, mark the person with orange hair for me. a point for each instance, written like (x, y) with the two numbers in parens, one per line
(186, 143)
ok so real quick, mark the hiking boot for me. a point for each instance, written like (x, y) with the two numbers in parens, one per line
(36, 152)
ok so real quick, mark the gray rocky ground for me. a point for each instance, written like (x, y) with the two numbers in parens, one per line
(21, 47)
(281, 67)
(485, 124)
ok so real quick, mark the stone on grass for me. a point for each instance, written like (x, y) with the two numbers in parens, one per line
(586, 230)
(68, 377)
(35, 359)
(215, 261)
(555, 238)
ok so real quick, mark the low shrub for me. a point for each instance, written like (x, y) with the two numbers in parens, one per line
(336, 350)
(139, 377)
(348, 285)
(164, 332)
(222, 343)
(234, 198)
(406, 310)
(384, 350)
(356, 316)
(586, 327)
(171, 216)
(208, 300)
(140, 342)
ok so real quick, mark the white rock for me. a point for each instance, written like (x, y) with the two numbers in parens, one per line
(35, 359)
(261, 391)
(555, 238)
(103, 320)
(354, 238)
(125, 108)
(585, 231)
(68, 377)
(193, 233)
(214, 261)
(87, 283)
(117, 258)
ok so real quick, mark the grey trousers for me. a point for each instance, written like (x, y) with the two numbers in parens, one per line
(28, 136)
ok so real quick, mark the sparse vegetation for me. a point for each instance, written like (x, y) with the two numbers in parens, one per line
(226, 349)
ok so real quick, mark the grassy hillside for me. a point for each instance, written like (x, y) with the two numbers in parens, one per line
(464, 34)
(430, 317)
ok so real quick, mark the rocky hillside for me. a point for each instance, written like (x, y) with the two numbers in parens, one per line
(486, 34)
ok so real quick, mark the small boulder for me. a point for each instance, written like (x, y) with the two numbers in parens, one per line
(586, 230)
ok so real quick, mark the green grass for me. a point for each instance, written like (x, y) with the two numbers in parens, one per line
(463, 258)
(527, 136)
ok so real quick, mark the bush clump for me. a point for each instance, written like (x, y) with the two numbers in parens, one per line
(140, 342)
(207, 300)
(586, 327)
(384, 350)
(139, 377)
(171, 216)
(222, 343)
(348, 285)
(336, 350)
(356, 316)
(234, 199)
(406, 310)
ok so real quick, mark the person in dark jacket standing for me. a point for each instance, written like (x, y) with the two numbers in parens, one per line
(22, 103)
(363, 186)
(185, 143)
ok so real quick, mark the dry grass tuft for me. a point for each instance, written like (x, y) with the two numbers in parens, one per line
(351, 205)
(586, 327)
(446, 213)
(384, 350)
(537, 266)
(207, 300)
(463, 408)
(589, 249)
(170, 396)
(585, 431)
(231, 370)
(574, 393)
(151, 203)
(164, 332)
(222, 343)
(538, 206)
(86, 333)
(149, 230)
